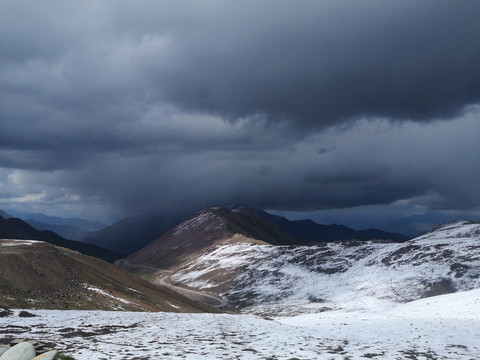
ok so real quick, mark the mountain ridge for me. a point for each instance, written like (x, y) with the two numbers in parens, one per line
(130, 235)
(15, 228)
(66, 231)
(310, 231)
(84, 224)
(204, 229)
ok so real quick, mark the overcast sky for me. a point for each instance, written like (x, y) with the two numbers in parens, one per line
(112, 108)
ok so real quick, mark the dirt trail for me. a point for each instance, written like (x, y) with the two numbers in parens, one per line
(198, 295)
(164, 281)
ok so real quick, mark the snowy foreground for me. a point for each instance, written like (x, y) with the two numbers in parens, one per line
(441, 327)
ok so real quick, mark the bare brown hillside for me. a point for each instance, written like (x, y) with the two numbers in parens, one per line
(35, 274)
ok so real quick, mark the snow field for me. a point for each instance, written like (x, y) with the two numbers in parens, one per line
(442, 327)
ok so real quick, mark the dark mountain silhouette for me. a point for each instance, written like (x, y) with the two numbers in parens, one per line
(246, 222)
(133, 233)
(310, 231)
(66, 231)
(205, 229)
(4, 215)
(86, 225)
(14, 228)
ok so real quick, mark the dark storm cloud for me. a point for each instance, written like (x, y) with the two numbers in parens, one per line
(130, 105)
(314, 62)
(321, 63)
(369, 164)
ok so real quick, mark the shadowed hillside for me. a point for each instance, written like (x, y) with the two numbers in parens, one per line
(134, 233)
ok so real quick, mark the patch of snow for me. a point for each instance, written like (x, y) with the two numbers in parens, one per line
(17, 242)
(106, 294)
(173, 305)
(129, 288)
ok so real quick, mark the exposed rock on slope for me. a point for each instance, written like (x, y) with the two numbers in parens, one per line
(36, 274)
(205, 229)
(350, 273)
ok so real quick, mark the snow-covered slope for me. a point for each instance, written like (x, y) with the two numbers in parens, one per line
(444, 327)
(343, 275)
(460, 229)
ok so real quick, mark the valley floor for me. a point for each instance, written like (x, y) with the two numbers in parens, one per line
(442, 327)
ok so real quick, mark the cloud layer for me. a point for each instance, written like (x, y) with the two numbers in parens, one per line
(121, 107)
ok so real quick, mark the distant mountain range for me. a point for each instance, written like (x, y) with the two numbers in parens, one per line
(83, 224)
(206, 228)
(14, 228)
(310, 231)
(66, 231)
(134, 233)
(68, 228)
(219, 224)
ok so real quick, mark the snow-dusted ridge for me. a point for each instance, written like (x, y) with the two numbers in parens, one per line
(459, 229)
(206, 220)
